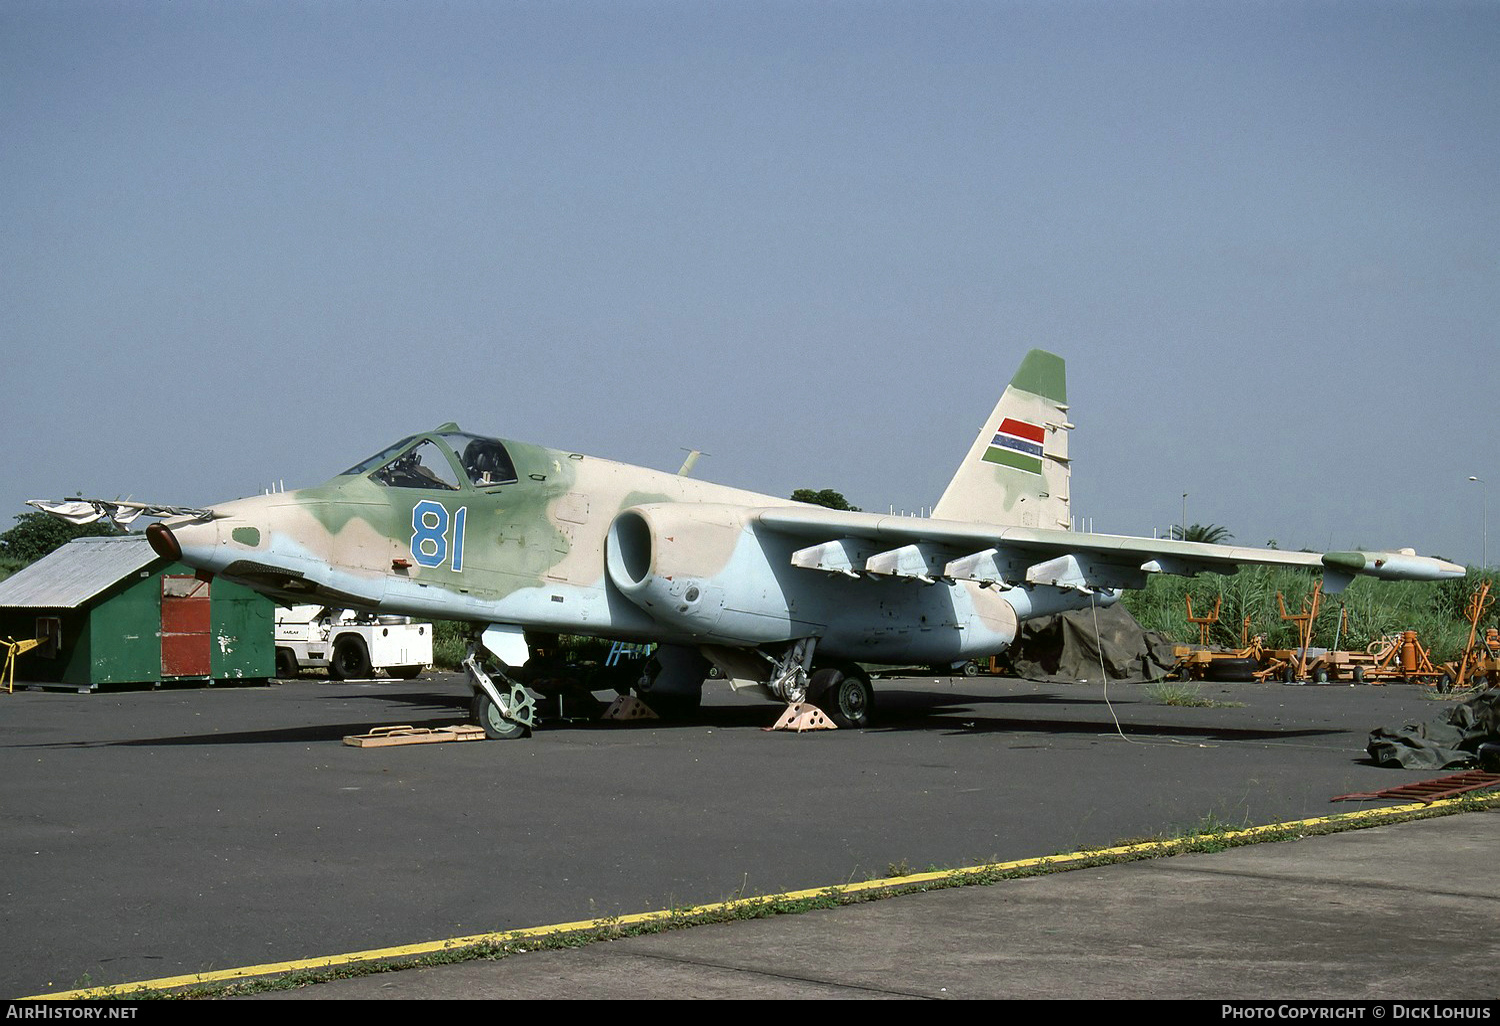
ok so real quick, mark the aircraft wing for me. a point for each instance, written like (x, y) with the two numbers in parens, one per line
(927, 550)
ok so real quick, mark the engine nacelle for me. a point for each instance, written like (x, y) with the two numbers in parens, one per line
(669, 559)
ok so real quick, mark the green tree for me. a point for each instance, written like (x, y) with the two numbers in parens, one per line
(1213, 534)
(37, 534)
(827, 497)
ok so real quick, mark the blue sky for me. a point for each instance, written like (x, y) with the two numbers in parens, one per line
(255, 242)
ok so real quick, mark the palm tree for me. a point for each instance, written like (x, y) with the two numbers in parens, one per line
(1213, 534)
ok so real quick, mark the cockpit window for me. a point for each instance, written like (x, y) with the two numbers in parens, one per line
(484, 460)
(423, 467)
(379, 458)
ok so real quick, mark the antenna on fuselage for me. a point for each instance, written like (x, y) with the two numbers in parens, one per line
(687, 464)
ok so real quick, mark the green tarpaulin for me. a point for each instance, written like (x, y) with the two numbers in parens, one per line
(1069, 647)
(1451, 742)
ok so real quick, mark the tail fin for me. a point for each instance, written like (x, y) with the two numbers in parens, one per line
(1016, 472)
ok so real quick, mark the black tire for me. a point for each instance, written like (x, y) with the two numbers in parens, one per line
(404, 672)
(496, 727)
(1231, 670)
(286, 664)
(1359, 675)
(351, 660)
(971, 669)
(845, 698)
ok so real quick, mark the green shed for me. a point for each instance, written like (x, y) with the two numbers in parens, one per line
(111, 611)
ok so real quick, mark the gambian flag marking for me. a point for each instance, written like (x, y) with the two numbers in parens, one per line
(1017, 444)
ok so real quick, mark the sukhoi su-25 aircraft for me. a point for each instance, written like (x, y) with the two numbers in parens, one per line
(781, 596)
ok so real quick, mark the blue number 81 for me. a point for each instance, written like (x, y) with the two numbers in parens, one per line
(429, 534)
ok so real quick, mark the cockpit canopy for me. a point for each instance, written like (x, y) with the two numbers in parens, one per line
(444, 460)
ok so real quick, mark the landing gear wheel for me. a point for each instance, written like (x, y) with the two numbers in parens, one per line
(350, 660)
(286, 664)
(496, 727)
(845, 698)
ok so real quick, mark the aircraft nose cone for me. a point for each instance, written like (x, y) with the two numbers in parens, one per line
(164, 542)
(192, 542)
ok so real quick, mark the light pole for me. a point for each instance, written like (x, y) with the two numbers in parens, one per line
(1486, 518)
(1183, 534)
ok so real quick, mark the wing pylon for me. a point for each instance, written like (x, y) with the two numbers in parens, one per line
(907, 548)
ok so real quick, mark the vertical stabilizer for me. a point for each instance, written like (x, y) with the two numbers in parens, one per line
(1016, 472)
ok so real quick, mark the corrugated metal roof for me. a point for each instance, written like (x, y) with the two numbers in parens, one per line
(74, 573)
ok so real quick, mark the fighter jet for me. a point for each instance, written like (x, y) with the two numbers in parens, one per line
(780, 596)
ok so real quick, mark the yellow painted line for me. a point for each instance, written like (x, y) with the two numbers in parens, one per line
(1059, 862)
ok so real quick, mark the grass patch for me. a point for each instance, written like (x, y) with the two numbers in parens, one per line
(1208, 834)
(1187, 695)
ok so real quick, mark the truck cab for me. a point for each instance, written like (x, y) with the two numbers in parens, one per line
(350, 645)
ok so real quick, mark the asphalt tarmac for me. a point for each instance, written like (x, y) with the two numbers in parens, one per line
(156, 834)
(1402, 914)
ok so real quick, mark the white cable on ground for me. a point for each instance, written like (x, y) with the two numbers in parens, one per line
(1104, 674)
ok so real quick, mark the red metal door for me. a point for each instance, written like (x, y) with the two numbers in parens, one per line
(185, 627)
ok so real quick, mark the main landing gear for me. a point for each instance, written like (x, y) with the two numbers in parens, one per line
(505, 708)
(844, 694)
(671, 682)
(840, 689)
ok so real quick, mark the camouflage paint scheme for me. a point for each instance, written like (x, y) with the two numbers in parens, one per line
(767, 589)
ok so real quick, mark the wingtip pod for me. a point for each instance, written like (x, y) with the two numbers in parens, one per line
(1405, 565)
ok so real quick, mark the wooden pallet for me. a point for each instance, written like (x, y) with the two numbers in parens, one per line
(386, 737)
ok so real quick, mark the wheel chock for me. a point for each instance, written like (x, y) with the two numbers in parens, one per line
(628, 707)
(800, 716)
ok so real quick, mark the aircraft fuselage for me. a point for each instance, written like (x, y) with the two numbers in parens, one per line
(576, 544)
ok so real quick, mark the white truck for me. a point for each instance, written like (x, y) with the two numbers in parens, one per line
(351, 645)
